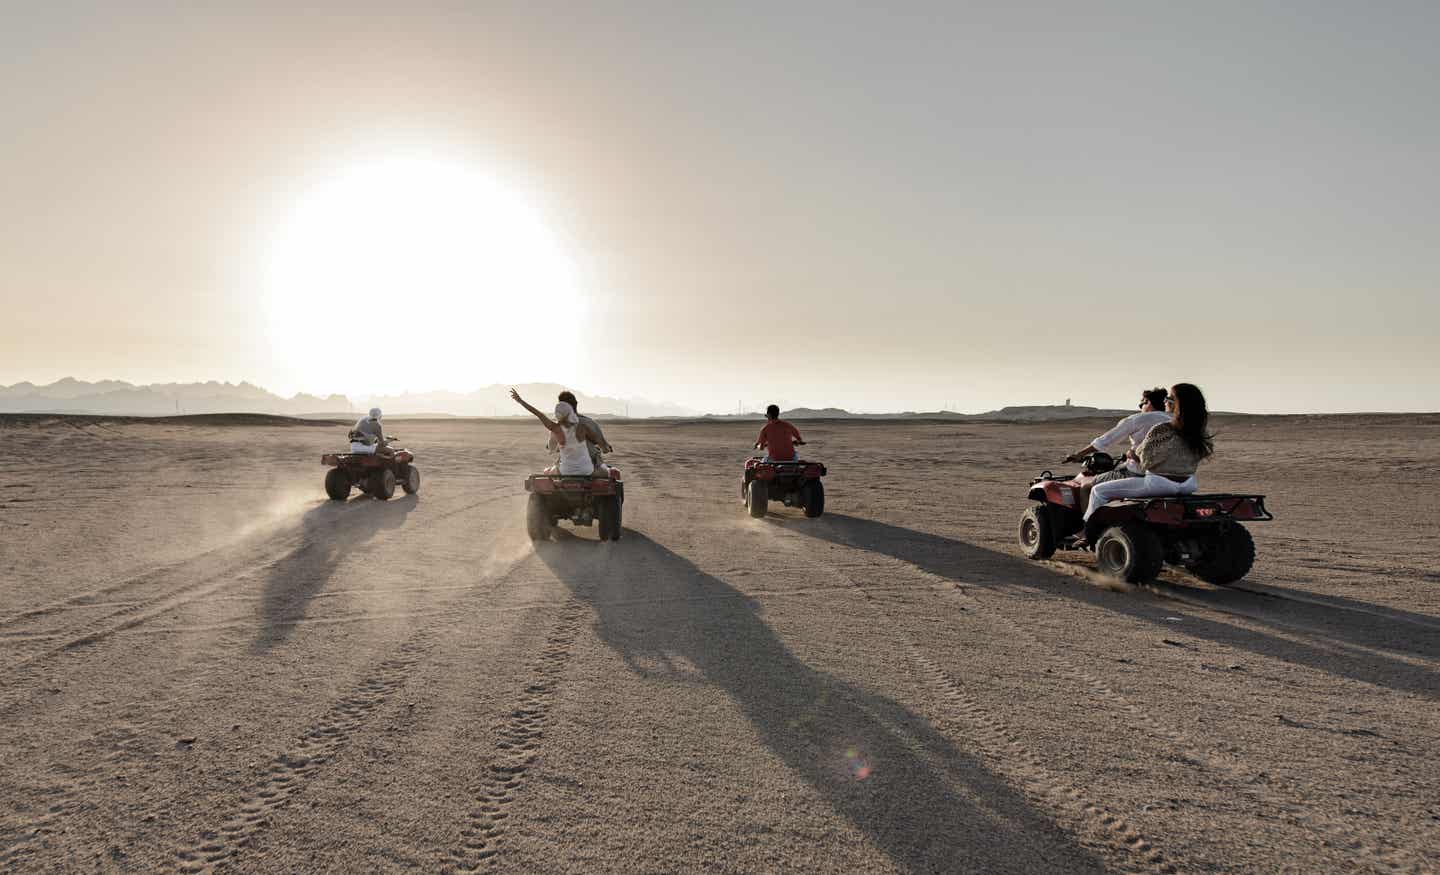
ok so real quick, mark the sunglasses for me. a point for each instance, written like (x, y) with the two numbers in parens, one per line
(1169, 399)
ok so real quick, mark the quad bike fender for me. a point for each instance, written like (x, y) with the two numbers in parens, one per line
(758, 469)
(368, 460)
(1056, 492)
(1160, 513)
(572, 487)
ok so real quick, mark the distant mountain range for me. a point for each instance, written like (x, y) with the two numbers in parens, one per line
(117, 398)
(1037, 413)
(495, 401)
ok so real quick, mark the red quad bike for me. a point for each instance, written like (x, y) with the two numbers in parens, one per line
(794, 484)
(582, 500)
(1133, 538)
(376, 475)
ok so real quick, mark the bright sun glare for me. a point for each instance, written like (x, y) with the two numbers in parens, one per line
(418, 274)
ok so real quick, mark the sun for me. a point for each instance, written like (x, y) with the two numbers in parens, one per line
(418, 274)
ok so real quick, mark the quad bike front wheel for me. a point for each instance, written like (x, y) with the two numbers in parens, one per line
(1226, 556)
(382, 484)
(757, 498)
(1037, 533)
(410, 482)
(814, 498)
(1130, 552)
(337, 484)
(537, 518)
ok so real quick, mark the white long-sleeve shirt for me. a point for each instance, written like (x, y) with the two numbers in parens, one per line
(1133, 427)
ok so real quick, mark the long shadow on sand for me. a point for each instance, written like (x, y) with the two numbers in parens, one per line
(327, 531)
(1326, 637)
(930, 806)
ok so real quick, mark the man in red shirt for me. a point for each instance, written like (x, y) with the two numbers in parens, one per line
(778, 438)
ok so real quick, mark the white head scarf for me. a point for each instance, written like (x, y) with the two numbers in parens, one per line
(565, 413)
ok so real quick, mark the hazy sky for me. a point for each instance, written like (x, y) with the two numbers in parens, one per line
(829, 203)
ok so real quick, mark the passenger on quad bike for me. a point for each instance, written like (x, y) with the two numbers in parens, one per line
(368, 436)
(597, 446)
(778, 438)
(1168, 455)
(571, 437)
(1133, 428)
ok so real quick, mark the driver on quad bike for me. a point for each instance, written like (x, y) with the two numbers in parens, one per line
(1133, 428)
(368, 436)
(1169, 454)
(778, 438)
(571, 436)
(597, 446)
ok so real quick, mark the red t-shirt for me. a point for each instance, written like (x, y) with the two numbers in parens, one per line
(776, 439)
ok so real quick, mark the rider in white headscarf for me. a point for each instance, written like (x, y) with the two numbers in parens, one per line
(368, 435)
(571, 435)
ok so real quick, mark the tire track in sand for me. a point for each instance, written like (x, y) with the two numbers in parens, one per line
(287, 772)
(1248, 781)
(290, 772)
(517, 749)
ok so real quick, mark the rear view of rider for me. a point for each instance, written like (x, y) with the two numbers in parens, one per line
(368, 435)
(597, 444)
(778, 438)
(571, 436)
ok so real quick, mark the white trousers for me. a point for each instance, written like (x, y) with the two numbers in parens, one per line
(363, 449)
(1149, 486)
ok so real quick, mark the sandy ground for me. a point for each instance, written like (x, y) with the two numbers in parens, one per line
(206, 664)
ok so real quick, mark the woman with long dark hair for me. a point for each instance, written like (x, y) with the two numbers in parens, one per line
(1169, 454)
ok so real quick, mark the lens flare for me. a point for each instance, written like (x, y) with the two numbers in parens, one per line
(857, 764)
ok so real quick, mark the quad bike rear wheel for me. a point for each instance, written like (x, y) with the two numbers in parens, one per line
(607, 514)
(382, 484)
(1131, 552)
(537, 518)
(1037, 533)
(410, 479)
(1226, 556)
(337, 484)
(757, 497)
(813, 498)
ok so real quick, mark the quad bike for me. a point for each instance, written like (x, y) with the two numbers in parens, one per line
(1133, 538)
(793, 484)
(374, 473)
(581, 500)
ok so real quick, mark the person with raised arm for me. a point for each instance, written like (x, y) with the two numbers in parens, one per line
(571, 437)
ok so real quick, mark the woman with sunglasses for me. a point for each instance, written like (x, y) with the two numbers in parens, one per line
(1169, 454)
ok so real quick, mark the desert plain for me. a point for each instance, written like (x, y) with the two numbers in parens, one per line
(207, 665)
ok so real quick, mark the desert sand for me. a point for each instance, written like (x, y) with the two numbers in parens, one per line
(206, 664)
